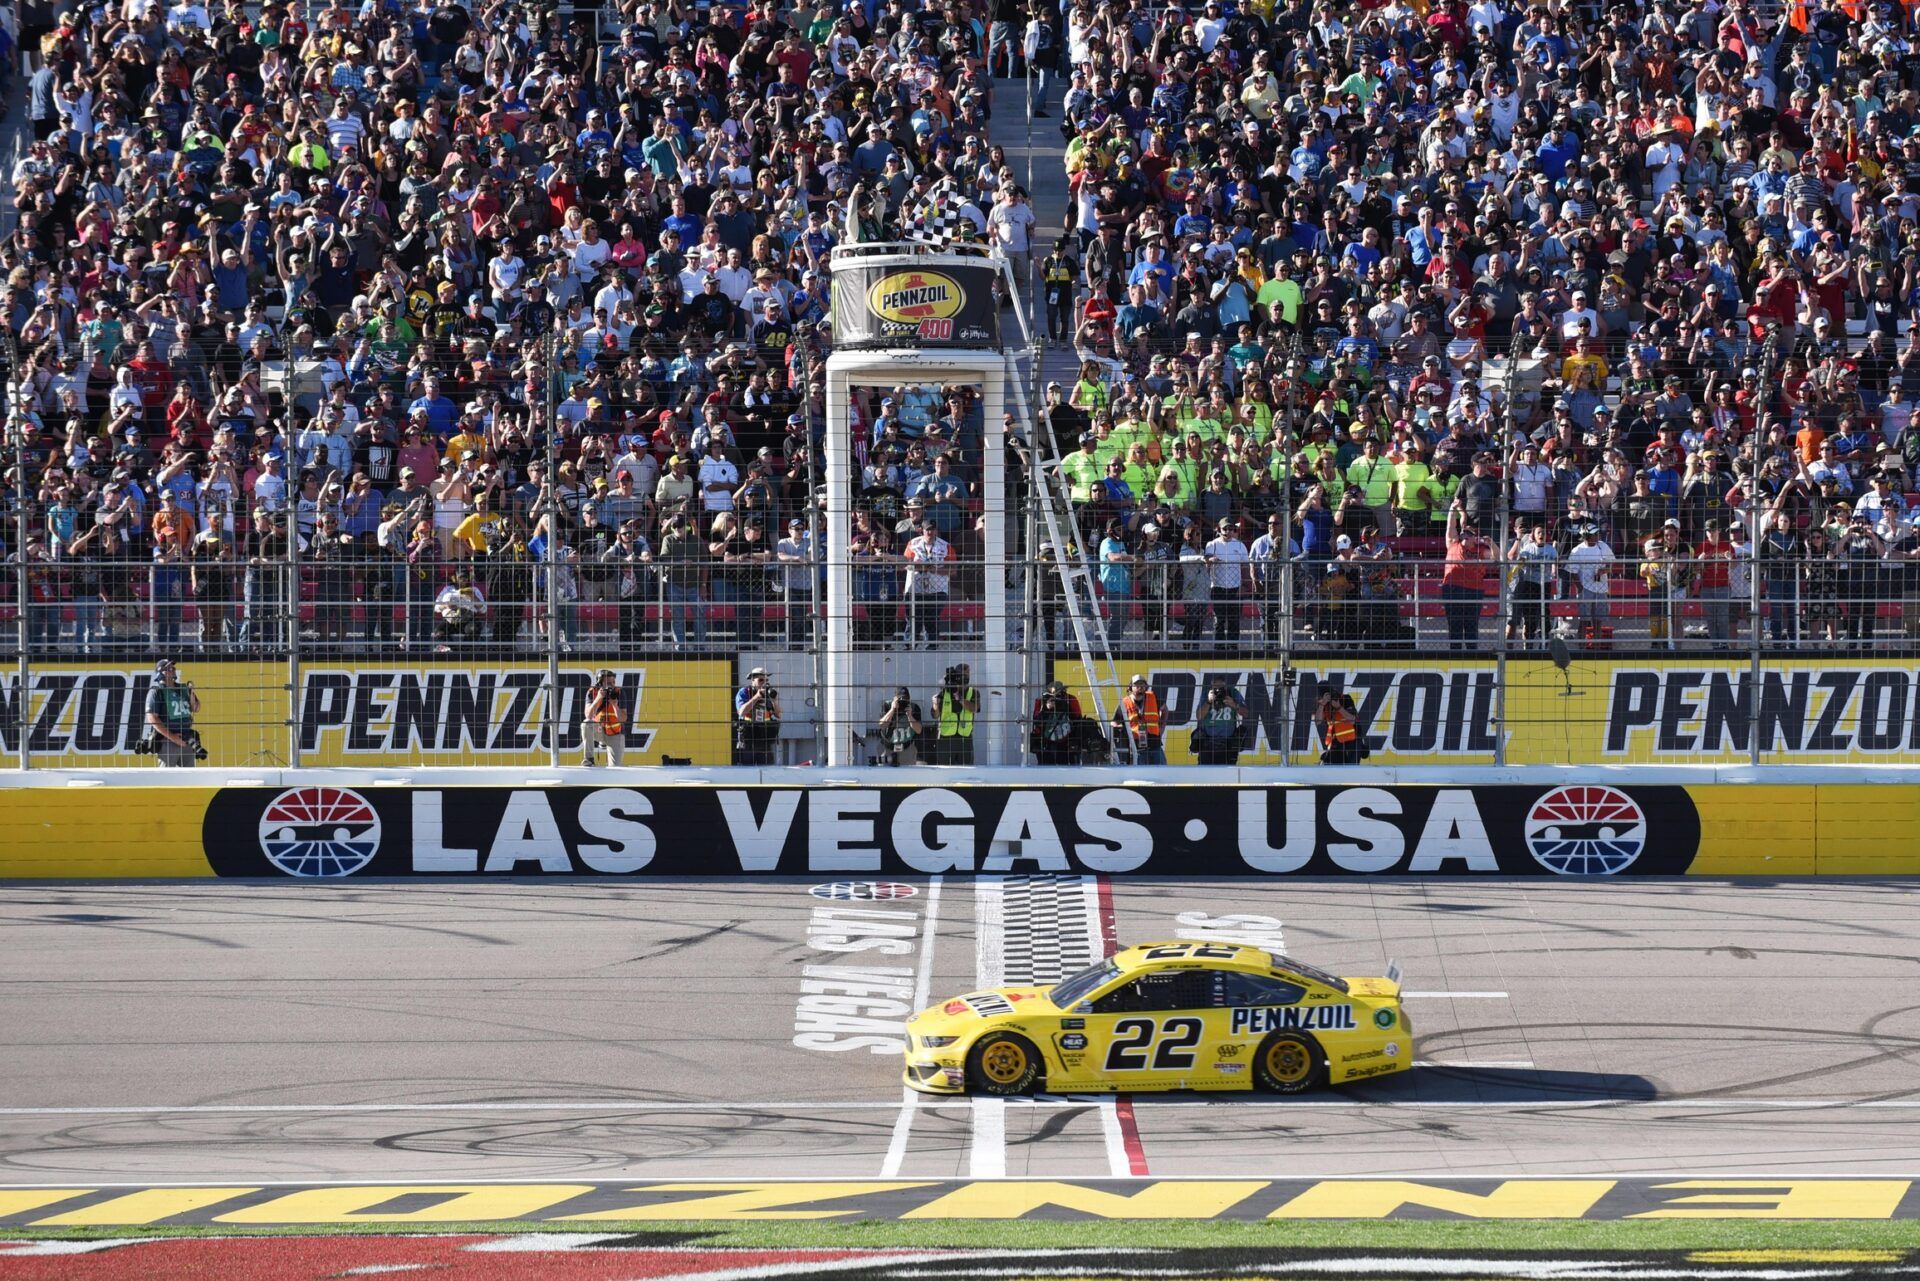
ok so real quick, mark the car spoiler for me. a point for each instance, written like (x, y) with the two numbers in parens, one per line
(1393, 972)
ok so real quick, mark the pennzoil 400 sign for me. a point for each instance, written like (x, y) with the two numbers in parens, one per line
(905, 305)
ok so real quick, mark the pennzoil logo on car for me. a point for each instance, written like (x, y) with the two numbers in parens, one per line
(1309, 1018)
(913, 296)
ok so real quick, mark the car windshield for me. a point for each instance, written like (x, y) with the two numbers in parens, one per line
(1306, 971)
(1072, 989)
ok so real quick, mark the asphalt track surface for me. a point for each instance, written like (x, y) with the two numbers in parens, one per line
(208, 1032)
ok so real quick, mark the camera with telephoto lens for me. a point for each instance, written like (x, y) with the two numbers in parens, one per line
(149, 745)
(952, 678)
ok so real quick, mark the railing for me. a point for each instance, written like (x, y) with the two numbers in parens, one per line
(1653, 656)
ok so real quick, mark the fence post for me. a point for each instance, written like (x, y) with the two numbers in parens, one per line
(1754, 719)
(16, 426)
(550, 424)
(290, 514)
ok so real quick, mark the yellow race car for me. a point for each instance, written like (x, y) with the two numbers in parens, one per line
(1166, 1016)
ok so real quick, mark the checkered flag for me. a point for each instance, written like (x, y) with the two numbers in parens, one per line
(937, 220)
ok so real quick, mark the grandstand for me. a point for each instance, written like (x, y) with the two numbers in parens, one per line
(397, 405)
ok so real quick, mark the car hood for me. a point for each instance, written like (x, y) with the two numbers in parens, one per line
(953, 1017)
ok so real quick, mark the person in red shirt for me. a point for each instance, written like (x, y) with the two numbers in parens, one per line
(1463, 584)
(1714, 556)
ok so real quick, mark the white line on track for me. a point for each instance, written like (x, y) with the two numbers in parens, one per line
(922, 985)
(987, 1144)
(804, 1107)
(1475, 1063)
(1453, 996)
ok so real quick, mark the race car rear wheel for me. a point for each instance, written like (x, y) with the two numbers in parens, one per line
(1002, 1063)
(1288, 1063)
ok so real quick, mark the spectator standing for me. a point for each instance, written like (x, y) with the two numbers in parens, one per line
(1535, 570)
(928, 559)
(1227, 559)
(1591, 564)
(1463, 582)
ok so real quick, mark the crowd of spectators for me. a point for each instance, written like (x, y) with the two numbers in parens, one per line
(414, 318)
(1361, 287)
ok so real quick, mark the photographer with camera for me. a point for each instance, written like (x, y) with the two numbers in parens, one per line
(756, 720)
(1339, 724)
(605, 726)
(1217, 726)
(1136, 721)
(900, 728)
(955, 704)
(171, 706)
(1056, 718)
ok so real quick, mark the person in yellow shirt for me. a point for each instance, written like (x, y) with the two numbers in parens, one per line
(476, 532)
(1588, 360)
(1140, 471)
(1413, 487)
(1375, 477)
(468, 440)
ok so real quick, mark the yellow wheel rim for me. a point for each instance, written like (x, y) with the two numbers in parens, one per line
(1004, 1062)
(1288, 1061)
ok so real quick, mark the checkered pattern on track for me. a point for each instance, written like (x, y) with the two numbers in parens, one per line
(1051, 927)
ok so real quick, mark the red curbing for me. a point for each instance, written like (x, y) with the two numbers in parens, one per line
(1123, 1106)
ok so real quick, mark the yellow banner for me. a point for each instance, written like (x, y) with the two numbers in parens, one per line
(1600, 710)
(371, 712)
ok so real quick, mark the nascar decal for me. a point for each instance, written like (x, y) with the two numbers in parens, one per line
(1290, 1018)
(1193, 831)
(319, 831)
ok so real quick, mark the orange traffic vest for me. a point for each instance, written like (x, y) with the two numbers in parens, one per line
(1143, 719)
(1340, 727)
(609, 714)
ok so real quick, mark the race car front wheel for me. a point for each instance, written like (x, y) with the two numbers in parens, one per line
(1001, 1063)
(1288, 1063)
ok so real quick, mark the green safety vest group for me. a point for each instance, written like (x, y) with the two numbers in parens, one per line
(956, 720)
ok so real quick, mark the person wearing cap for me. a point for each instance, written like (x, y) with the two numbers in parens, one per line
(901, 727)
(1137, 722)
(929, 579)
(605, 726)
(1053, 730)
(1590, 562)
(1463, 582)
(171, 707)
(955, 705)
(756, 720)
(1666, 567)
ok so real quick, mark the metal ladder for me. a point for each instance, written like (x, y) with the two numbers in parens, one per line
(1079, 590)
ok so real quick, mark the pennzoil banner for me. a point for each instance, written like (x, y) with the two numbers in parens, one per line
(1638, 711)
(370, 712)
(903, 305)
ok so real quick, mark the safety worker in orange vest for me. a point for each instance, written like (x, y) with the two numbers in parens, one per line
(606, 723)
(1339, 728)
(1136, 718)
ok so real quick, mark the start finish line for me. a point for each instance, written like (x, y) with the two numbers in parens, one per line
(636, 1201)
